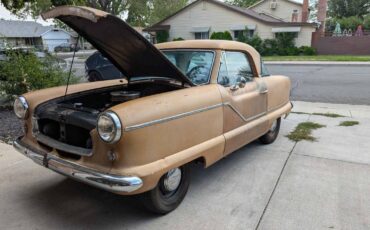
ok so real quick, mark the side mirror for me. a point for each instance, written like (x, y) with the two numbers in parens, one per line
(240, 84)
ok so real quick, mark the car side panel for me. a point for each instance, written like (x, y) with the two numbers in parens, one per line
(278, 95)
(168, 130)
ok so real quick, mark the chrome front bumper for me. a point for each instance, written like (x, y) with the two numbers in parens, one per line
(113, 183)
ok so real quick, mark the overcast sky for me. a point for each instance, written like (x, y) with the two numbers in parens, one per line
(5, 14)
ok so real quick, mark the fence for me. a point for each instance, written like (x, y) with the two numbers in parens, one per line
(344, 45)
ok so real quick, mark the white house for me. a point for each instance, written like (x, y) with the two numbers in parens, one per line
(201, 18)
(28, 33)
(285, 10)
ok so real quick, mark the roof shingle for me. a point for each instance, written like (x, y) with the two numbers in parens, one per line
(23, 29)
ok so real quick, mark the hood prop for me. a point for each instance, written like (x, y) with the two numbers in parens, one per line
(70, 68)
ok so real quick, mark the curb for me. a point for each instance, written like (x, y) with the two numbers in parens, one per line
(315, 63)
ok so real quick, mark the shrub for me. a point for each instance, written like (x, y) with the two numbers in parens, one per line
(221, 36)
(270, 47)
(178, 39)
(307, 50)
(25, 72)
(162, 36)
(285, 39)
(256, 42)
(292, 51)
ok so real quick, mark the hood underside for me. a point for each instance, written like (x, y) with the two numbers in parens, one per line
(128, 50)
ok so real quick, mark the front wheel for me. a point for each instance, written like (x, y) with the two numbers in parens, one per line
(169, 192)
(272, 134)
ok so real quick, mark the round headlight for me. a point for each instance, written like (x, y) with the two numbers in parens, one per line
(21, 107)
(109, 127)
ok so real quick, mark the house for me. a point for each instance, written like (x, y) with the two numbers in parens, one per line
(285, 10)
(201, 18)
(29, 33)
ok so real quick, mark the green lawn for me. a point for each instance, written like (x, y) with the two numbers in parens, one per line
(319, 58)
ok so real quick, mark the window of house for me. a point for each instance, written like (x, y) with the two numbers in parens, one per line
(245, 33)
(201, 35)
(234, 65)
(29, 41)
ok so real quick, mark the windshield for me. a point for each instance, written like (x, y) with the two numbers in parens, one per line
(196, 65)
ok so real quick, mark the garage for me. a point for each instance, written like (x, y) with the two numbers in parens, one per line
(54, 37)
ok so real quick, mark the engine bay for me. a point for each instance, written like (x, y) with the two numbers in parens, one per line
(70, 120)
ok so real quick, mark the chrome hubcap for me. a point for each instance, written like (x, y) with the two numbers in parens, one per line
(172, 180)
(273, 126)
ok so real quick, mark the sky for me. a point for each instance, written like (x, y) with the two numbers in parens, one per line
(5, 14)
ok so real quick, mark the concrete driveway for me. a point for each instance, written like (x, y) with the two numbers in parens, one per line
(285, 185)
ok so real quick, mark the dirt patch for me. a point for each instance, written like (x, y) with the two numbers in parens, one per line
(11, 126)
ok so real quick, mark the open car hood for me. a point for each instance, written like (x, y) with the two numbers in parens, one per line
(128, 50)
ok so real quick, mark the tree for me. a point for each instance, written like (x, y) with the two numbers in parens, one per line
(242, 3)
(347, 8)
(138, 13)
(161, 9)
(35, 7)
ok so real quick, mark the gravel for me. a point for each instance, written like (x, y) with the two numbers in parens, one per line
(10, 126)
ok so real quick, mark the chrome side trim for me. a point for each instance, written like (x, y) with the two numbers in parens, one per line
(170, 118)
(242, 116)
(110, 182)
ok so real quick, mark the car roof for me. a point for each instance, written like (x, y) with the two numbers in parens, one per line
(213, 45)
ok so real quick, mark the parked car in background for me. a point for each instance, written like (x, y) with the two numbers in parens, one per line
(66, 47)
(99, 68)
(181, 102)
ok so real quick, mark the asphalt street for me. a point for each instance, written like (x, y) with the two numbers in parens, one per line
(342, 84)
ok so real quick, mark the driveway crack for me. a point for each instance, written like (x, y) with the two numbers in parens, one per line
(276, 184)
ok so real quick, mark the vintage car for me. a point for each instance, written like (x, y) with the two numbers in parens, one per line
(181, 102)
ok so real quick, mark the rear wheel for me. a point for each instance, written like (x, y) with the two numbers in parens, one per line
(94, 76)
(272, 134)
(169, 192)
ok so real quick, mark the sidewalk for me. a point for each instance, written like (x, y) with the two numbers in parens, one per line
(285, 185)
(342, 63)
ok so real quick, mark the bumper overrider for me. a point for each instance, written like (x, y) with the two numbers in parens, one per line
(113, 183)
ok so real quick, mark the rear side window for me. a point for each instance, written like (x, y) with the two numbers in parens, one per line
(234, 65)
(264, 71)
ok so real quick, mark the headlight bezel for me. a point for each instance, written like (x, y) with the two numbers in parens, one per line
(23, 102)
(117, 127)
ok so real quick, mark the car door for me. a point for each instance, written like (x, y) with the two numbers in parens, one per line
(244, 96)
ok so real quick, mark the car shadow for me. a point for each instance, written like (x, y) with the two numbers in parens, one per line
(71, 204)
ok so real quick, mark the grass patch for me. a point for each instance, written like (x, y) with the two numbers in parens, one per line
(349, 123)
(303, 131)
(333, 115)
(344, 58)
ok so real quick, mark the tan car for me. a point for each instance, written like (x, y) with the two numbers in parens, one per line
(182, 102)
